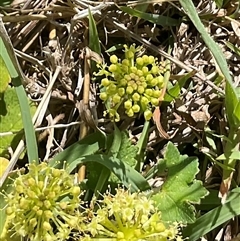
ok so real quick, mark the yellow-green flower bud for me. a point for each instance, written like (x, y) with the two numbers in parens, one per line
(127, 104)
(154, 82)
(113, 59)
(31, 182)
(149, 92)
(140, 89)
(47, 204)
(139, 73)
(160, 79)
(132, 75)
(124, 68)
(103, 96)
(111, 89)
(130, 112)
(125, 62)
(133, 69)
(75, 190)
(47, 226)
(149, 77)
(147, 114)
(155, 70)
(129, 90)
(121, 91)
(136, 108)
(136, 97)
(139, 61)
(48, 214)
(123, 82)
(134, 86)
(145, 59)
(155, 101)
(113, 68)
(9, 210)
(151, 59)
(105, 82)
(142, 79)
(116, 98)
(129, 54)
(144, 100)
(156, 93)
(145, 70)
(127, 77)
(33, 222)
(19, 188)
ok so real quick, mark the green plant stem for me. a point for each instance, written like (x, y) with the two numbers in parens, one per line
(142, 146)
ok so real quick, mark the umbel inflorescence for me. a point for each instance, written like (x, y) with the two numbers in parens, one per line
(129, 217)
(134, 83)
(44, 204)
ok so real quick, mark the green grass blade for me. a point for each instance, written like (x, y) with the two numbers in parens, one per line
(128, 176)
(87, 146)
(231, 98)
(153, 18)
(8, 56)
(94, 43)
(213, 219)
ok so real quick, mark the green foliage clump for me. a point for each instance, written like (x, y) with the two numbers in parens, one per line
(44, 204)
(129, 217)
(134, 83)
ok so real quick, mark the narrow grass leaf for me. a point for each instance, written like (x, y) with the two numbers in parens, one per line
(93, 34)
(153, 18)
(175, 90)
(126, 174)
(32, 150)
(212, 219)
(231, 99)
(86, 146)
(235, 49)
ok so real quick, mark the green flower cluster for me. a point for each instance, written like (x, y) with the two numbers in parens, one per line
(129, 217)
(44, 204)
(134, 82)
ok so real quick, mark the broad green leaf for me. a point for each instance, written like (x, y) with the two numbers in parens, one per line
(126, 174)
(4, 77)
(181, 189)
(126, 152)
(11, 120)
(87, 146)
(213, 219)
(153, 18)
(231, 99)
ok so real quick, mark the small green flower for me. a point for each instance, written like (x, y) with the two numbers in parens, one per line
(44, 204)
(130, 217)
